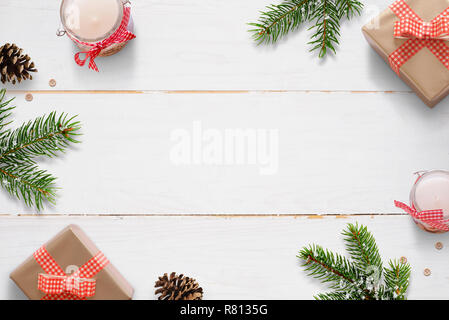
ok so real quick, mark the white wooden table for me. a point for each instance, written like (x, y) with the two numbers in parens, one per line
(350, 136)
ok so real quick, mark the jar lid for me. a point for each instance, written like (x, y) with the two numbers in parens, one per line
(91, 20)
(431, 192)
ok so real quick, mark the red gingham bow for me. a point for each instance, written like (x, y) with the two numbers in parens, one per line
(409, 27)
(59, 286)
(433, 218)
(420, 34)
(121, 35)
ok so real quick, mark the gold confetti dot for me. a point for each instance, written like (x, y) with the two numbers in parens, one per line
(52, 83)
(403, 260)
(427, 272)
(29, 97)
(438, 245)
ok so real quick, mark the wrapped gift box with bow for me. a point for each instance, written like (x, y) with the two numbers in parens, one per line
(413, 37)
(70, 267)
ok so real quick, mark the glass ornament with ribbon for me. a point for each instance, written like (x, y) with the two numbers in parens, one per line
(429, 201)
(99, 28)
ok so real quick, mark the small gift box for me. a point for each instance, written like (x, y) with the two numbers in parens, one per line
(70, 267)
(411, 35)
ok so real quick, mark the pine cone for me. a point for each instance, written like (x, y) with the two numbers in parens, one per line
(178, 288)
(14, 66)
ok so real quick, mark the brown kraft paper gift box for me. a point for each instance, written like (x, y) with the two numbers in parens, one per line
(424, 73)
(72, 247)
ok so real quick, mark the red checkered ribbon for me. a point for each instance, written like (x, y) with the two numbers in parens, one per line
(433, 218)
(420, 34)
(120, 35)
(59, 286)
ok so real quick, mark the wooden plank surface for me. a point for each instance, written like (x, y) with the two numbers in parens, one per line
(232, 258)
(333, 153)
(350, 135)
(198, 45)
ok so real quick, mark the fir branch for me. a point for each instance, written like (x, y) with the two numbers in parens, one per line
(336, 296)
(349, 8)
(44, 136)
(27, 182)
(5, 112)
(342, 274)
(354, 279)
(328, 267)
(397, 278)
(280, 19)
(362, 247)
(327, 27)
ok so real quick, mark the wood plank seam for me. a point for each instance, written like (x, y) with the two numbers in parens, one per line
(309, 216)
(203, 91)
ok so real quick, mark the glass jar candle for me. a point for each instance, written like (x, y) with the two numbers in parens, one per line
(431, 192)
(88, 22)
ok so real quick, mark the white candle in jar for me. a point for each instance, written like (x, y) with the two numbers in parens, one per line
(431, 192)
(91, 19)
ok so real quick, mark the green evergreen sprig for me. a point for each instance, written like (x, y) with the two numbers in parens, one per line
(362, 277)
(326, 15)
(45, 136)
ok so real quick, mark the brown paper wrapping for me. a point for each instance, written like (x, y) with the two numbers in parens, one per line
(72, 247)
(424, 73)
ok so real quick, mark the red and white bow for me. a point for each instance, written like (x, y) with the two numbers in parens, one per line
(419, 34)
(410, 27)
(120, 35)
(59, 286)
(433, 218)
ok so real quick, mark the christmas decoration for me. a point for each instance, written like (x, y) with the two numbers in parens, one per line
(14, 65)
(70, 267)
(44, 136)
(412, 37)
(107, 27)
(178, 287)
(326, 15)
(362, 277)
(429, 201)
